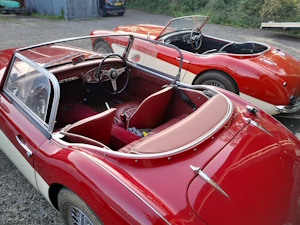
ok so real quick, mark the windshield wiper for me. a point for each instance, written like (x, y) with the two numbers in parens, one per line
(61, 59)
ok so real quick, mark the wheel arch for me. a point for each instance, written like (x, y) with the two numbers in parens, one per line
(53, 193)
(108, 205)
(218, 71)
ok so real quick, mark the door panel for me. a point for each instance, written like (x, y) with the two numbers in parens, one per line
(19, 138)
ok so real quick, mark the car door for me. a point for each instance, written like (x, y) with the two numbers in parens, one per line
(24, 114)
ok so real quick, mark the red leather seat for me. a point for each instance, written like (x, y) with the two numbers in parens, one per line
(126, 108)
(148, 114)
(97, 127)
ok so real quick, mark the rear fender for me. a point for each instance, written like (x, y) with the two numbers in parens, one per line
(110, 200)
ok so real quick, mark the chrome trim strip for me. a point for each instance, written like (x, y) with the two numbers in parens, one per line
(69, 39)
(208, 180)
(121, 182)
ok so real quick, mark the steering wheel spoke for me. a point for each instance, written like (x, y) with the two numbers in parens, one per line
(114, 85)
(120, 70)
(105, 73)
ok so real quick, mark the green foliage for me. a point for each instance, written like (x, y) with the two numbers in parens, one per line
(241, 13)
(280, 11)
(61, 13)
(51, 17)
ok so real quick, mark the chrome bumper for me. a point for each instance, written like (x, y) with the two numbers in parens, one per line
(288, 108)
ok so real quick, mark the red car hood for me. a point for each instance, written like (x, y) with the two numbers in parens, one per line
(44, 54)
(143, 29)
(5, 56)
(286, 67)
(258, 192)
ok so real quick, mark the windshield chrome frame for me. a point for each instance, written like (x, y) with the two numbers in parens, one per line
(50, 126)
(178, 18)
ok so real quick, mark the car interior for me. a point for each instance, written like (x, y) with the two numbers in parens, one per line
(207, 45)
(113, 103)
(137, 120)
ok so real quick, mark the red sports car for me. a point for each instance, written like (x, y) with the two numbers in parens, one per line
(262, 74)
(107, 139)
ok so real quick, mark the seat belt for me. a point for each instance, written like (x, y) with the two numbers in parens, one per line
(184, 97)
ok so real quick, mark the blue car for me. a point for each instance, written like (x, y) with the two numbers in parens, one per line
(111, 7)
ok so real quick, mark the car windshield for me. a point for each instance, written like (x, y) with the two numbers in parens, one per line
(142, 52)
(184, 23)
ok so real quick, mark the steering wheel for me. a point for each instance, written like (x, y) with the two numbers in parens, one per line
(37, 102)
(196, 38)
(112, 74)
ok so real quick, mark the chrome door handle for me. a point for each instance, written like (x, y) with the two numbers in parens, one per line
(185, 61)
(28, 151)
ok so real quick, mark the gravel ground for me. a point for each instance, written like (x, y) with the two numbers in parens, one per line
(20, 203)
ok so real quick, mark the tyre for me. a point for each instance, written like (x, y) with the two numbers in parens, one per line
(121, 14)
(217, 79)
(102, 13)
(102, 47)
(74, 210)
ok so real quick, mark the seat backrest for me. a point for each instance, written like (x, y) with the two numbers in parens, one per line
(151, 111)
(188, 130)
(97, 127)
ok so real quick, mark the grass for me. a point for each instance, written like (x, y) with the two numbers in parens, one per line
(50, 17)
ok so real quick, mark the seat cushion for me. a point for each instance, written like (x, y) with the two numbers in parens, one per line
(68, 114)
(121, 137)
(127, 108)
(128, 148)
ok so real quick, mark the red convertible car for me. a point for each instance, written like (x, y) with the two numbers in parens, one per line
(262, 74)
(107, 139)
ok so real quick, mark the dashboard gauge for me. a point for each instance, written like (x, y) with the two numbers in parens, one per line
(96, 75)
(88, 77)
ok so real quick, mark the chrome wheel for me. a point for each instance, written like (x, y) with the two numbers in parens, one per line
(214, 83)
(74, 210)
(77, 217)
(217, 79)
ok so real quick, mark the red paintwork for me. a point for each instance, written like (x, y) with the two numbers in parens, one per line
(252, 75)
(259, 172)
(141, 29)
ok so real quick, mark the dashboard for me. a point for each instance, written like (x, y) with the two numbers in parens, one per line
(92, 75)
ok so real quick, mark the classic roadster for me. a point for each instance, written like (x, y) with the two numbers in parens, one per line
(114, 139)
(262, 74)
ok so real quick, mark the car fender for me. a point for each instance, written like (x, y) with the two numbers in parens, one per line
(107, 196)
(249, 76)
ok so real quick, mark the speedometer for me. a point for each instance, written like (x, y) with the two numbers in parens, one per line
(88, 77)
(96, 75)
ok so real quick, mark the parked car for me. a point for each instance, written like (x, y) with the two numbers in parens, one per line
(9, 6)
(262, 74)
(112, 7)
(113, 139)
